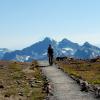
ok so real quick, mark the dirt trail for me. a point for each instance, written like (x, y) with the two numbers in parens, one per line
(64, 87)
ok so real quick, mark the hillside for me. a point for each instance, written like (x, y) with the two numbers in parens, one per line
(20, 81)
(88, 70)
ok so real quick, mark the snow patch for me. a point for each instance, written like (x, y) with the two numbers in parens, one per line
(27, 57)
(67, 49)
(63, 51)
(44, 54)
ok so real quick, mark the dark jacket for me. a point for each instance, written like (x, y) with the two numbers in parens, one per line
(50, 51)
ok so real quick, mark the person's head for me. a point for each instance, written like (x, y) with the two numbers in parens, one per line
(50, 45)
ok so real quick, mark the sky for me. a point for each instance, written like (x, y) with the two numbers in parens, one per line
(24, 22)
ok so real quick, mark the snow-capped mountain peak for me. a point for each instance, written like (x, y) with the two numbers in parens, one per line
(62, 48)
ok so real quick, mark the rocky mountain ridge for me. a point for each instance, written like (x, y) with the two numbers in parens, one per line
(65, 47)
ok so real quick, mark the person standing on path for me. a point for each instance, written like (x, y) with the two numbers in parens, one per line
(50, 54)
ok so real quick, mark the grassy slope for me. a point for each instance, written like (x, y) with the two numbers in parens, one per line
(85, 70)
(21, 80)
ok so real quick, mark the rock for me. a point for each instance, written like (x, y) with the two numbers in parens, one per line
(18, 82)
(97, 91)
(20, 93)
(7, 95)
(25, 76)
(32, 85)
(1, 66)
(1, 86)
(84, 86)
(38, 81)
(31, 82)
(77, 80)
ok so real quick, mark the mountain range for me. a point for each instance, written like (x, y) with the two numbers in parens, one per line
(38, 50)
(3, 51)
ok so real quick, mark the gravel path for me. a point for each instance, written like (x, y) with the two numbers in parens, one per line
(64, 87)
